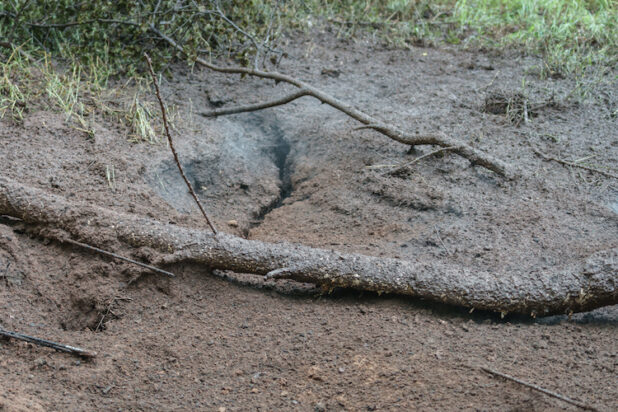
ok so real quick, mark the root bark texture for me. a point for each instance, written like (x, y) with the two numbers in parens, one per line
(575, 288)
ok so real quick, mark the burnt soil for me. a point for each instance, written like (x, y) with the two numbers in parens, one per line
(301, 172)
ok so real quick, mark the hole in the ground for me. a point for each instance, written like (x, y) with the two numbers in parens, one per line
(89, 313)
(84, 313)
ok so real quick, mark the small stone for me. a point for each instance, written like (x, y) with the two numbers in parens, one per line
(315, 373)
(320, 407)
(232, 223)
(284, 394)
(540, 345)
(254, 390)
(341, 370)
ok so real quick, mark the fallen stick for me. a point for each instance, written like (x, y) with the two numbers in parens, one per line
(540, 389)
(47, 343)
(578, 286)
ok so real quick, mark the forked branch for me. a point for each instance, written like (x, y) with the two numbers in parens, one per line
(475, 156)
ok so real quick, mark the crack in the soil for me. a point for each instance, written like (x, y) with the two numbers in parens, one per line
(280, 152)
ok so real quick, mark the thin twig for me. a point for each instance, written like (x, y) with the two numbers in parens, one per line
(11, 220)
(462, 149)
(572, 164)
(418, 159)
(114, 255)
(441, 241)
(171, 142)
(259, 106)
(539, 389)
(54, 345)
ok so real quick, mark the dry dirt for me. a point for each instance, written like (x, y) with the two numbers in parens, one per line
(223, 341)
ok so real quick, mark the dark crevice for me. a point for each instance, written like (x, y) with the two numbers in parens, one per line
(280, 155)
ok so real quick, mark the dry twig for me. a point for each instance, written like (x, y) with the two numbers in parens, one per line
(259, 106)
(540, 389)
(171, 142)
(54, 345)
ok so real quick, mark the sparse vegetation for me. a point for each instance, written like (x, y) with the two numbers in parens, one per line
(93, 42)
(570, 35)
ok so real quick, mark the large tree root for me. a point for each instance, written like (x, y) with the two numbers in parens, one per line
(580, 287)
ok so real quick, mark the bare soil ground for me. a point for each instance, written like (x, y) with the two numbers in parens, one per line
(223, 341)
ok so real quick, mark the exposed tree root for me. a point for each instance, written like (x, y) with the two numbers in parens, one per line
(580, 287)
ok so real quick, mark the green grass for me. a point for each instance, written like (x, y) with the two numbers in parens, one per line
(573, 37)
(79, 92)
(570, 35)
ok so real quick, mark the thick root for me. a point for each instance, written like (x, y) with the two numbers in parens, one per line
(576, 288)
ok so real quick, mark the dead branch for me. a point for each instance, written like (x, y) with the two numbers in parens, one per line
(475, 156)
(171, 142)
(573, 288)
(47, 343)
(540, 389)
